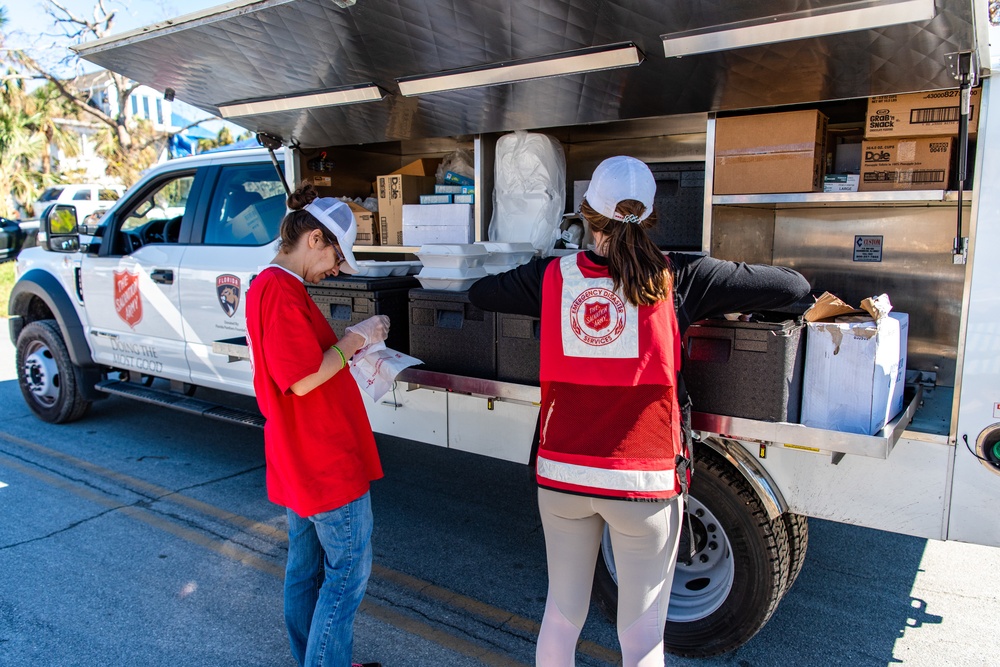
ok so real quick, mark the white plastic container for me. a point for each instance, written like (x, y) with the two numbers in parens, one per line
(373, 269)
(452, 279)
(452, 255)
(504, 256)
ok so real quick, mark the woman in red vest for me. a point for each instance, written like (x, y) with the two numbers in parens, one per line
(318, 443)
(610, 421)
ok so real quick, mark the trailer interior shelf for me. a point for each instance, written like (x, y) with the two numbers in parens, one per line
(916, 197)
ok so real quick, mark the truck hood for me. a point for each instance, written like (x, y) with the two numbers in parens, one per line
(262, 51)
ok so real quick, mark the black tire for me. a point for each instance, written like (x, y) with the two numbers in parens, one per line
(46, 374)
(747, 571)
(797, 527)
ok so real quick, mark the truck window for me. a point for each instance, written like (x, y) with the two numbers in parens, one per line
(155, 217)
(246, 207)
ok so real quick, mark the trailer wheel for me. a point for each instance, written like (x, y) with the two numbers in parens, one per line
(797, 527)
(46, 374)
(725, 595)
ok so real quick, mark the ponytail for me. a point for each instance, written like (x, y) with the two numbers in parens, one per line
(639, 270)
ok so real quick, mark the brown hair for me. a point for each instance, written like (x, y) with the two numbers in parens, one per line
(639, 270)
(299, 222)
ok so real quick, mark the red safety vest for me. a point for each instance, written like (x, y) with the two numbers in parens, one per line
(610, 417)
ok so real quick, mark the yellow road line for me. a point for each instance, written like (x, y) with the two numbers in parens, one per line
(413, 584)
(241, 555)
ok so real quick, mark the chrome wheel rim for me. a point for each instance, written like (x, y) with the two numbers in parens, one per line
(41, 374)
(702, 584)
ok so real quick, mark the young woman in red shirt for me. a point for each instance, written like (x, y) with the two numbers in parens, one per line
(319, 447)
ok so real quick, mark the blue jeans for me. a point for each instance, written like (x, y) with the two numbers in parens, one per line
(329, 560)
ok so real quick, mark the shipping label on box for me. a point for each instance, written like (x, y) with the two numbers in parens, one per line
(854, 372)
(770, 153)
(919, 114)
(841, 182)
(393, 192)
(906, 164)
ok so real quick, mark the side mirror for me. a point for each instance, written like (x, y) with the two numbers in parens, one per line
(58, 230)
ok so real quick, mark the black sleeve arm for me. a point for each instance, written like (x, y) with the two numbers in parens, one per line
(518, 291)
(708, 287)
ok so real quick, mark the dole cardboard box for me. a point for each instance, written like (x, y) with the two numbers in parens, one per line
(855, 365)
(921, 163)
(919, 114)
(393, 192)
(768, 153)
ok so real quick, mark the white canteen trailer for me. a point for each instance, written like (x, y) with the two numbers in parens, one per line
(366, 87)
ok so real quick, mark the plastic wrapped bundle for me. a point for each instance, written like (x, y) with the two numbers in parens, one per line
(529, 190)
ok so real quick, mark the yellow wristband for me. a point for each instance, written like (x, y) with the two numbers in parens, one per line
(343, 359)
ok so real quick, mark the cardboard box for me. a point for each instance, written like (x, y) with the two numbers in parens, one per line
(769, 153)
(394, 191)
(919, 114)
(367, 225)
(441, 223)
(421, 167)
(855, 368)
(922, 163)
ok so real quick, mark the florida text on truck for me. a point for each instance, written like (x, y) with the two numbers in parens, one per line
(361, 90)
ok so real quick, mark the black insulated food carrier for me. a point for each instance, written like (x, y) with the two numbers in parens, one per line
(518, 348)
(348, 300)
(450, 335)
(751, 370)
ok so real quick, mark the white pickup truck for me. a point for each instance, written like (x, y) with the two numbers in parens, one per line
(354, 91)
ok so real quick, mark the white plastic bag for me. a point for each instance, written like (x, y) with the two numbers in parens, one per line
(375, 368)
(529, 190)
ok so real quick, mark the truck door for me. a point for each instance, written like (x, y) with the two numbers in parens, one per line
(238, 222)
(130, 285)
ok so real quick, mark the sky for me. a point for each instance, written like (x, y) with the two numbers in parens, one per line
(29, 26)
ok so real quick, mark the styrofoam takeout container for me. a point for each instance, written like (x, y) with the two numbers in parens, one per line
(507, 255)
(456, 279)
(371, 268)
(452, 255)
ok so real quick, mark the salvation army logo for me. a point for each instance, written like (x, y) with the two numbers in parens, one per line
(597, 316)
(227, 286)
(128, 302)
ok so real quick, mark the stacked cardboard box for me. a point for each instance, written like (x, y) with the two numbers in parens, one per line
(909, 140)
(403, 186)
(770, 153)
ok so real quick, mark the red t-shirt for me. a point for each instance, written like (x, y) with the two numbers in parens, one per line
(319, 448)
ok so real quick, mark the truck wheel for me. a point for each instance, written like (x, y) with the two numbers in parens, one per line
(727, 592)
(46, 374)
(797, 527)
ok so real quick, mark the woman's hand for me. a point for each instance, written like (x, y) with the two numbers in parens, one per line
(374, 330)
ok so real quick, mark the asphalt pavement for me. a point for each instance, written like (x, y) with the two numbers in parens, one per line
(142, 536)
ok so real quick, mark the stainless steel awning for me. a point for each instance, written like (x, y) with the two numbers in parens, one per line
(258, 51)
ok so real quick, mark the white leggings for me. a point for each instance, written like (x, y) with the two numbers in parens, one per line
(644, 536)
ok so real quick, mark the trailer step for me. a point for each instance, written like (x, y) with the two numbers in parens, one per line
(178, 401)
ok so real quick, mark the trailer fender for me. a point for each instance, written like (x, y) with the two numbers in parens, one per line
(42, 285)
(763, 485)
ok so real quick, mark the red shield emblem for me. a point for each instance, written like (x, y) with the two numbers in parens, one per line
(128, 301)
(597, 315)
(227, 286)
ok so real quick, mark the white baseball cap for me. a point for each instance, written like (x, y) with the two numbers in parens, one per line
(619, 178)
(339, 219)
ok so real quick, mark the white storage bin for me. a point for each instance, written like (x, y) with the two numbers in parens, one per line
(423, 234)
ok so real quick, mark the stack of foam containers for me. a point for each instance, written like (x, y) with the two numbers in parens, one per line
(451, 266)
(506, 256)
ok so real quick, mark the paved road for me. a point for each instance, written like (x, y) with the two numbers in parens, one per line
(141, 536)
